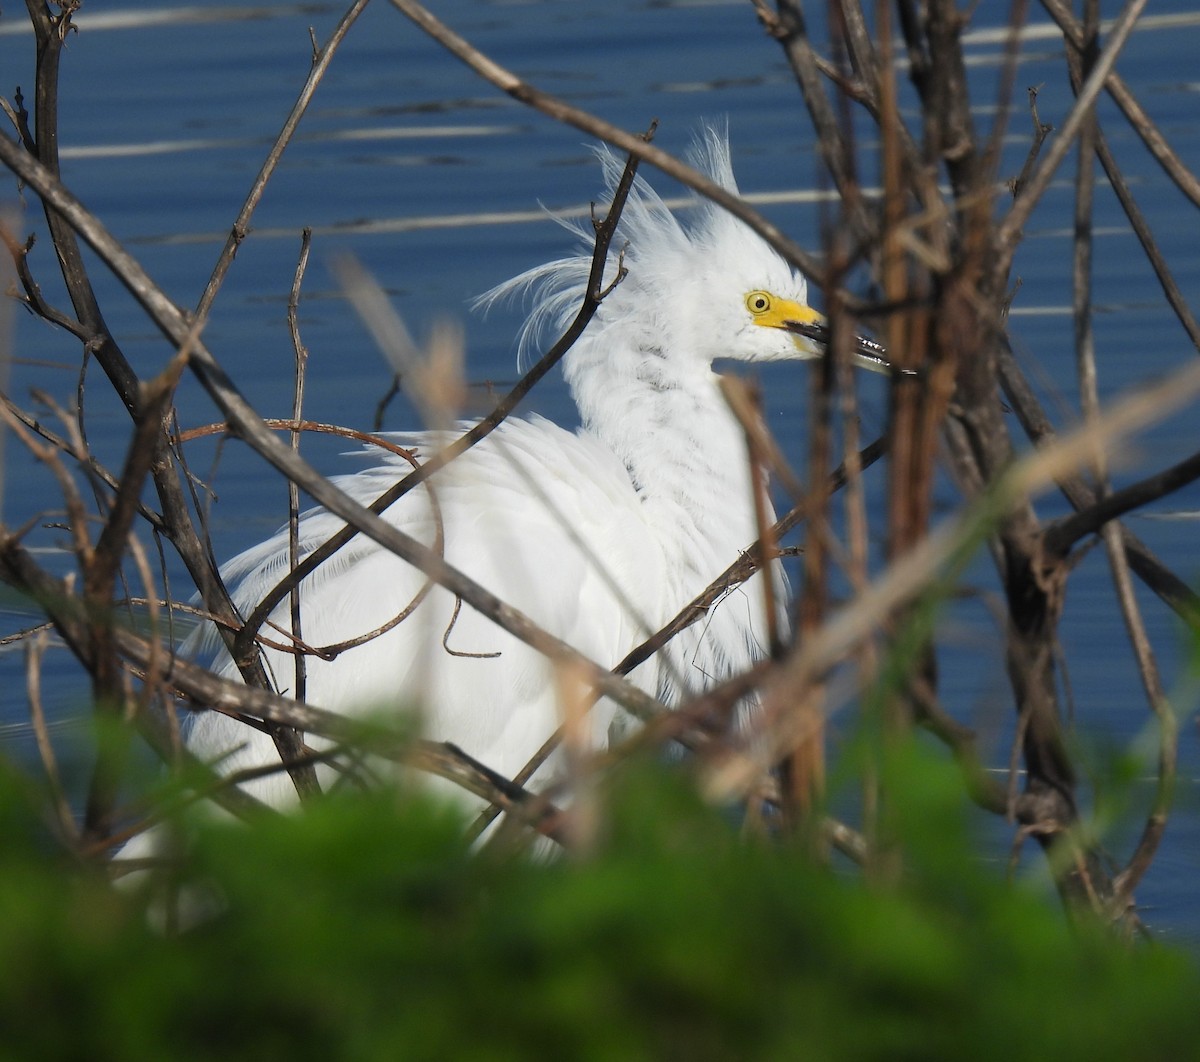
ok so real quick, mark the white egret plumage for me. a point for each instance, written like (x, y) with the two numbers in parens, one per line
(632, 515)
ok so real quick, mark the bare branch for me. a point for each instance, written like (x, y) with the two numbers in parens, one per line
(1139, 120)
(1008, 233)
(241, 225)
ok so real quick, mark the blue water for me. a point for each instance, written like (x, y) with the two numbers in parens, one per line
(432, 179)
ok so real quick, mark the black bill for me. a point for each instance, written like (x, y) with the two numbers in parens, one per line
(867, 353)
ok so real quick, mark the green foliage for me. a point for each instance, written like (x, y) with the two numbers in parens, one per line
(366, 929)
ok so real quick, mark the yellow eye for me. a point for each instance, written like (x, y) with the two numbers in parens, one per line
(758, 302)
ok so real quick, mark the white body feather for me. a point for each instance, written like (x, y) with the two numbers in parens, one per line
(655, 489)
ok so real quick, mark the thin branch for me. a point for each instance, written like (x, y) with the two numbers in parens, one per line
(1063, 533)
(241, 225)
(101, 568)
(1139, 120)
(1137, 220)
(1168, 586)
(1008, 233)
(300, 688)
(86, 460)
(34, 652)
(1040, 131)
(790, 30)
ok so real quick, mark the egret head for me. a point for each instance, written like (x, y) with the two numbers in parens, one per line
(695, 292)
(749, 304)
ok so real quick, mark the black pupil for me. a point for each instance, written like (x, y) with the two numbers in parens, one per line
(760, 303)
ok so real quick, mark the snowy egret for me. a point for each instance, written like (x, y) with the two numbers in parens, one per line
(600, 535)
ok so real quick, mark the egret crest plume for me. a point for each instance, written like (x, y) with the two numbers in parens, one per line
(656, 248)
